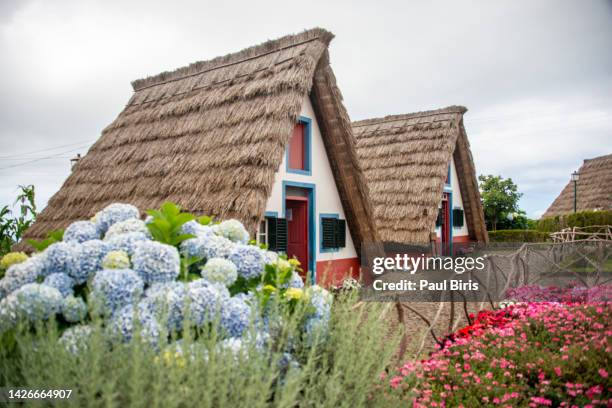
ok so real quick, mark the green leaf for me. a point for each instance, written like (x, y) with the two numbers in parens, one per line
(204, 219)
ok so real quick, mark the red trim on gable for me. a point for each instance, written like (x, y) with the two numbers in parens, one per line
(333, 272)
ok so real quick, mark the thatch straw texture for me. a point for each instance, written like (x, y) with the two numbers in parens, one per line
(594, 189)
(405, 159)
(210, 137)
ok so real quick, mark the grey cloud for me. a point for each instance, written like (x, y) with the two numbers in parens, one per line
(536, 76)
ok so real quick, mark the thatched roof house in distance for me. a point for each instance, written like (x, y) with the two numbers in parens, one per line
(420, 173)
(594, 189)
(249, 135)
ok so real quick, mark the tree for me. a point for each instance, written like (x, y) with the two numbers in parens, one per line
(12, 226)
(499, 198)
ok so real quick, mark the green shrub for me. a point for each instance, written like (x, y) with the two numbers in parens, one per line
(340, 371)
(518, 236)
(579, 219)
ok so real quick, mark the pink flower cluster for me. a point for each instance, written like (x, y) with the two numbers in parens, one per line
(530, 354)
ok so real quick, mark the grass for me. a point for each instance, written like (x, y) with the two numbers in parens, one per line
(340, 370)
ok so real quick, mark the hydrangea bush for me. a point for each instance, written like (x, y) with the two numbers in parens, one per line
(157, 277)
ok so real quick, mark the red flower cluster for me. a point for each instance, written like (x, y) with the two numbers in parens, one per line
(483, 320)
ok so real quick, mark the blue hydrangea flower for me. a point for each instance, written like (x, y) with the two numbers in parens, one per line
(127, 318)
(270, 257)
(200, 283)
(316, 325)
(20, 274)
(116, 260)
(235, 316)
(36, 302)
(126, 227)
(8, 312)
(209, 246)
(61, 282)
(81, 231)
(249, 259)
(315, 330)
(196, 229)
(295, 281)
(74, 309)
(58, 257)
(248, 297)
(220, 270)
(240, 346)
(167, 302)
(205, 301)
(322, 301)
(156, 262)
(88, 260)
(126, 242)
(76, 338)
(232, 230)
(116, 288)
(113, 214)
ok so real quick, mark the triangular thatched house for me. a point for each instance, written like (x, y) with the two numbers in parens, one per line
(594, 189)
(260, 135)
(421, 177)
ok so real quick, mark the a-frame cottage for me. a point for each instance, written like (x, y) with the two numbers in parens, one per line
(593, 189)
(260, 135)
(421, 178)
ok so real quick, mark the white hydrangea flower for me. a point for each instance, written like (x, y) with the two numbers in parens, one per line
(220, 270)
(232, 230)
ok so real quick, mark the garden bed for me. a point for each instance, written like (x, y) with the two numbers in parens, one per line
(529, 354)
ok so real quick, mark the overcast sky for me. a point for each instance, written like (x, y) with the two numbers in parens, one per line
(536, 76)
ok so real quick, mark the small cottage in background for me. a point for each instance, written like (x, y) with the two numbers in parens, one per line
(593, 189)
(421, 178)
(260, 135)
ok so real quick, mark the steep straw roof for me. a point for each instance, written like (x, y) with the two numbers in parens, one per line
(405, 160)
(594, 189)
(210, 137)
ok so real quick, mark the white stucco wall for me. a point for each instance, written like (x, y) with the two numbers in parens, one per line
(327, 199)
(457, 203)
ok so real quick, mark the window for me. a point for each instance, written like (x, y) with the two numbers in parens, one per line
(333, 233)
(457, 217)
(298, 151)
(262, 232)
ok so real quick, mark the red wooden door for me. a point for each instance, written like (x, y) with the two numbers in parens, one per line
(445, 225)
(297, 229)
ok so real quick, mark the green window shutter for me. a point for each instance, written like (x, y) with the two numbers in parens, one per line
(277, 234)
(328, 233)
(340, 233)
(457, 217)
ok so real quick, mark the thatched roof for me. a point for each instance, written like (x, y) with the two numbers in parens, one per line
(210, 137)
(594, 189)
(405, 160)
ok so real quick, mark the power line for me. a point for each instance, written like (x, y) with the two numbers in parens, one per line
(36, 158)
(45, 150)
(43, 158)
